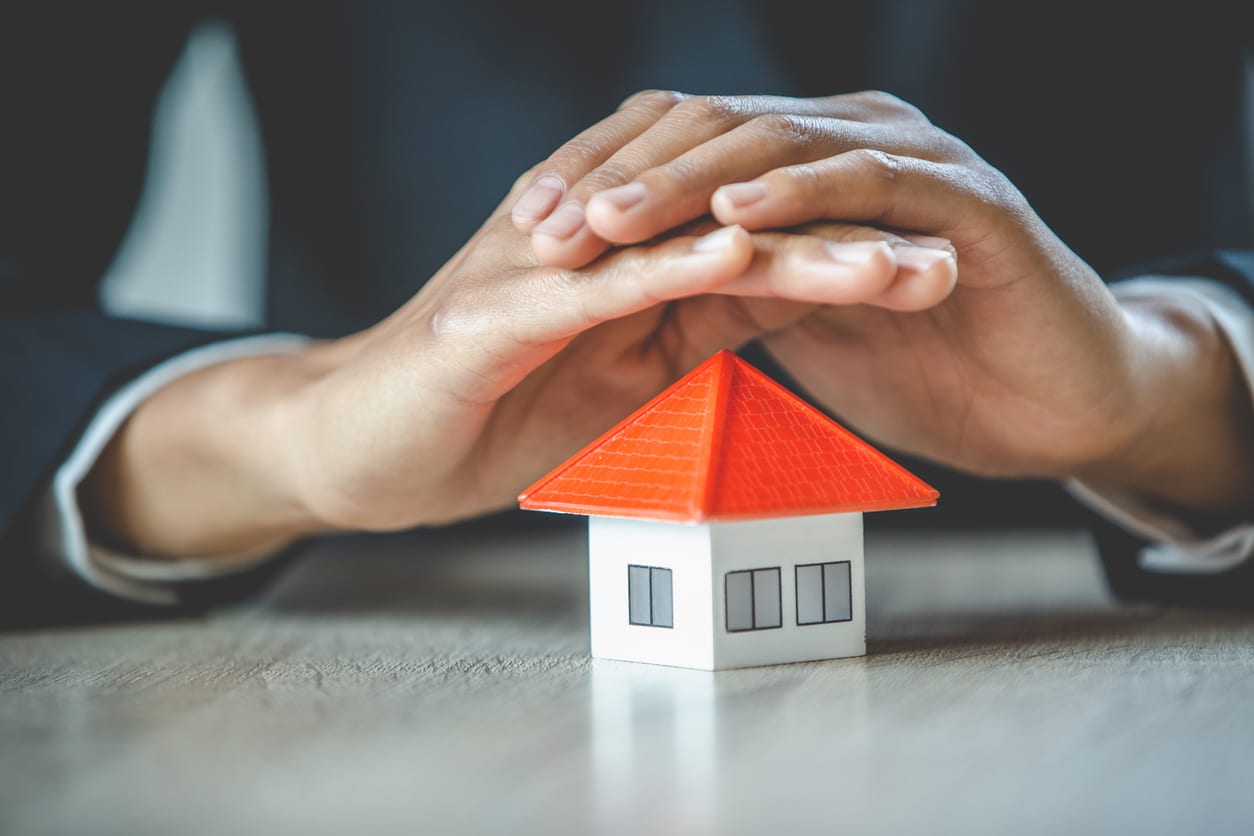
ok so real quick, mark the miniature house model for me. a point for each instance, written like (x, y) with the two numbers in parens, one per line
(725, 524)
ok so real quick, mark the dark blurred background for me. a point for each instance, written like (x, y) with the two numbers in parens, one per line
(393, 129)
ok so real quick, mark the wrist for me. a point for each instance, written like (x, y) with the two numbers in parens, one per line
(1186, 447)
(200, 468)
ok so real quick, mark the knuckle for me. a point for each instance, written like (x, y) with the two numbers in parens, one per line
(789, 127)
(987, 195)
(881, 165)
(607, 175)
(719, 110)
(579, 149)
(995, 191)
(949, 147)
(676, 176)
(880, 101)
(652, 100)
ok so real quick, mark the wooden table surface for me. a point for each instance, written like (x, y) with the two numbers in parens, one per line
(439, 683)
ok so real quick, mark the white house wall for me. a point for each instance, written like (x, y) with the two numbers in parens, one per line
(784, 544)
(613, 545)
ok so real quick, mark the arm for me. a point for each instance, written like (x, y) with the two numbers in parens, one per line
(496, 370)
(58, 368)
(1028, 367)
(1191, 459)
(1154, 553)
(72, 157)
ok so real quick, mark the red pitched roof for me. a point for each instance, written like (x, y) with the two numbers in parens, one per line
(726, 442)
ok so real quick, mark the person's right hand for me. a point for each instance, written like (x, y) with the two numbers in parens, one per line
(497, 370)
(1030, 367)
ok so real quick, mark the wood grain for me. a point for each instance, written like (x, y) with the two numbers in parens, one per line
(439, 683)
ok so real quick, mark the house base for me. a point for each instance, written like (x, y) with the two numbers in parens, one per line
(840, 648)
(703, 575)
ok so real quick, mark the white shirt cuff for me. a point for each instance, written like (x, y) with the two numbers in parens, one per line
(1175, 547)
(62, 538)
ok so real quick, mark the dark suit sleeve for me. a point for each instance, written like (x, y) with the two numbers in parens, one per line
(1119, 549)
(78, 83)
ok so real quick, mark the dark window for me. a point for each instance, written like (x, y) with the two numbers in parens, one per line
(824, 593)
(753, 600)
(649, 596)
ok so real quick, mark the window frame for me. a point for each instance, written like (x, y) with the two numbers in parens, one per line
(652, 615)
(753, 609)
(822, 591)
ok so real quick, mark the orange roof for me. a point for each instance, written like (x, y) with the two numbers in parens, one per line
(727, 442)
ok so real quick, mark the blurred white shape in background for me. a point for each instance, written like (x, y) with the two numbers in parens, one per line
(196, 249)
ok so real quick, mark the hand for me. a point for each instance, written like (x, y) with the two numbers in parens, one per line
(493, 373)
(1029, 367)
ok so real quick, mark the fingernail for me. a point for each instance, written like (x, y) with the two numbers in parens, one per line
(715, 241)
(920, 258)
(623, 198)
(564, 223)
(931, 243)
(740, 195)
(855, 253)
(539, 199)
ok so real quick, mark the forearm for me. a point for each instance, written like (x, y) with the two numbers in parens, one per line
(1193, 445)
(204, 465)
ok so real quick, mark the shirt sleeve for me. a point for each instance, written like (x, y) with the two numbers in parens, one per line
(62, 540)
(1174, 546)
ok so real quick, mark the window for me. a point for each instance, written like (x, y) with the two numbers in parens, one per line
(824, 595)
(753, 600)
(649, 596)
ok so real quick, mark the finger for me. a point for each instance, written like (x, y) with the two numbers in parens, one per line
(926, 265)
(863, 185)
(873, 106)
(565, 240)
(570, 163)
(806, 268)
(893, 273)
(680, 189)
(547, 307)
(788, 129)
(925, 278)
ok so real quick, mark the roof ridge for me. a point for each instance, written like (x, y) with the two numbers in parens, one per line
(726, 365)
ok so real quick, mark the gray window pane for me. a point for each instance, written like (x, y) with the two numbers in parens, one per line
(766, 598)
(836, 586)
(639, 611)
(739, 601)
(809, 594)
(662, 598)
